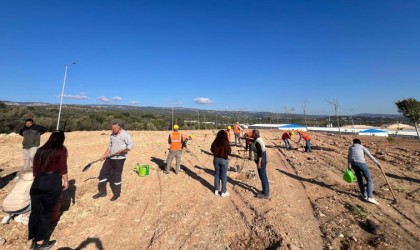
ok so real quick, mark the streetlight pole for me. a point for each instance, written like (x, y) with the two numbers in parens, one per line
(62, 93)
(173, 116)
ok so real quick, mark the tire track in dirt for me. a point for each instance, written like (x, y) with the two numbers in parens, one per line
(293, 193)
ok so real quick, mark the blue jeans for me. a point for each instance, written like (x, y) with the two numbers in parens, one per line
(262, 173)
(220, 173)
(308, 146)
(287, 142)
(361, 169)
(237, 139)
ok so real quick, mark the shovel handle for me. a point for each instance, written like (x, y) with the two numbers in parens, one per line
(387, 182)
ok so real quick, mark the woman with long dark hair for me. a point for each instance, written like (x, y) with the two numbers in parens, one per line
(221, 150)
(50, 172)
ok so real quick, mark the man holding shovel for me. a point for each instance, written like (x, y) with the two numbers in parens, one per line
(114, 156)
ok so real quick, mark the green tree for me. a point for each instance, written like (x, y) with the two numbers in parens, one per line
(410, 108)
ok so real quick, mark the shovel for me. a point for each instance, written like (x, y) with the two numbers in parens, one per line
(387, 182)
(90, 163)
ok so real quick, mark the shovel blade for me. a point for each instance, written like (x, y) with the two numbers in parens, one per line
(87, 167)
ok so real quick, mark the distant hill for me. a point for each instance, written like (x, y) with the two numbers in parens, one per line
(378, 116)
(190, 111)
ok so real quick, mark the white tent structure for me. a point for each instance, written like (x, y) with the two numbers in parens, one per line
(292, 127)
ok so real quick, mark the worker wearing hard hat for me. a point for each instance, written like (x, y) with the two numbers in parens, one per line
(286, 136)
(185, 141)
(237, 133)
(307, 138)
(175, 150)
(229, 128)
(249, 139)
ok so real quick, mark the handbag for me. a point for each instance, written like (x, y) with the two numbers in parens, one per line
(349, 176)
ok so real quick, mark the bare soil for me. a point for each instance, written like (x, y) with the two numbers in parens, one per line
(310, 207)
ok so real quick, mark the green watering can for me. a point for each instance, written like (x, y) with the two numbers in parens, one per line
(142, 170)
(349, 176)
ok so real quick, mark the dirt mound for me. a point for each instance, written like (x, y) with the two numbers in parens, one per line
(310, 206)
(398, 126)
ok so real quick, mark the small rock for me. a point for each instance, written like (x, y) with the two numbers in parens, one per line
(2, 241)
(341, 235)
(353, 238)
(292, 247)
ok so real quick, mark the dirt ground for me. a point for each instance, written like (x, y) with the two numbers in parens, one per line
(311, 207)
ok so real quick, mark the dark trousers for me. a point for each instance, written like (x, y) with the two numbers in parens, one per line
(45, 191)
(111, 166)
(262, 173)
(250, 152)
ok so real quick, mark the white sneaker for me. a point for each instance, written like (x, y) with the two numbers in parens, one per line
(225, 194)
(372, 200)
(6, 219)
(216, 192)
(21, 219)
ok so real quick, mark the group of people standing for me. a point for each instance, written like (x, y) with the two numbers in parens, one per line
(49, 176)
(221, 150)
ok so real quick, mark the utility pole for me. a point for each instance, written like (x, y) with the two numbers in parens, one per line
(198, 119)
(172, 117)
(62, 94)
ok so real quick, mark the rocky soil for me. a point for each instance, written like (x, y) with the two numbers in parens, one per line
(311, 207)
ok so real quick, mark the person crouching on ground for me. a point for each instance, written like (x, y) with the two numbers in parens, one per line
(286, 136)
(221, 150)
(260, 158)
(307, 138)
(175, 140)
(356, 158)
(50, 172)
(18, 201)
(120, 143)
(248, 143)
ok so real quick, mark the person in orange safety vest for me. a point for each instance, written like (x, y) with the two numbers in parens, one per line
(237, 133)
(175, 149)
(307, 138)
(248, 145)
(229, 128)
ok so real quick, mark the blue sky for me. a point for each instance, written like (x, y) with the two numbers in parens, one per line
(213, 54)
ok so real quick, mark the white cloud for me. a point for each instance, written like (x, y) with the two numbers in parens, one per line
(116, 98)
(202, 100)
(134, 103)
(103, 99)
(80, 96)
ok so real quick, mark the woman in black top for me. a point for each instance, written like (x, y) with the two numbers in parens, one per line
(50, 172)
(221, 150)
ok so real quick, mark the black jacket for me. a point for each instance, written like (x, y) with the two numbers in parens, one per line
(32, 135)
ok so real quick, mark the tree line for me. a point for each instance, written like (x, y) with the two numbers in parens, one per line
(88, 118)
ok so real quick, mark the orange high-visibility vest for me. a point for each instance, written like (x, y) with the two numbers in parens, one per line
(228, 135)
(305, 136)
(236, 129)
(176, 143)
(249, 136)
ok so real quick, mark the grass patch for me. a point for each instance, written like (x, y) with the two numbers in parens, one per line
(357, 210)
